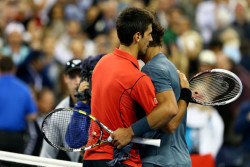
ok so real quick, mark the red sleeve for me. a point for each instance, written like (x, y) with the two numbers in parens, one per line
(144, 93)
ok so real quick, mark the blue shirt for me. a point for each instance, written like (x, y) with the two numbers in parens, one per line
(16, 103)
(173, 151)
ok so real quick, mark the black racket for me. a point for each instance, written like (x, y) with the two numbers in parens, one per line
(67, 129)
(215, 87)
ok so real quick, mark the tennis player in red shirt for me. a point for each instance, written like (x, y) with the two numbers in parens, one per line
(121, 94)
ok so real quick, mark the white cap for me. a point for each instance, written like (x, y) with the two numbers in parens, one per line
(207, 57)
(14, 27)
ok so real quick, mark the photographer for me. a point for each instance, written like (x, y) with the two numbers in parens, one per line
(74, 136)
(72, 79)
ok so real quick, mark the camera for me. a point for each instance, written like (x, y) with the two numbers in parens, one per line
(85, 95)
(87, 68)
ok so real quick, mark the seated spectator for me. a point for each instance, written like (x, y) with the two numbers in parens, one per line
(15, 47)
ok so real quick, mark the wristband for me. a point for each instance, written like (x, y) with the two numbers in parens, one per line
(186, 95)
(141, 127)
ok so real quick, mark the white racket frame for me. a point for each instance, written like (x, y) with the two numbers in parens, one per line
(221, 71)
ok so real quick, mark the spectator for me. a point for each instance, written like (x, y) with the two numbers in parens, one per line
(14, 46)
(46, 103)
(63, 51)
(205, 126)
(190, 44)
(241, 24)
(53, 67)
(17, 106)
(33, 72)
(212, 15)
(56, 22)
(72, 79)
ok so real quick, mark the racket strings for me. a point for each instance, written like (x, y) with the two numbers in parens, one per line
(66, 129)
(95, 134)
(214, 87)
(54, 128)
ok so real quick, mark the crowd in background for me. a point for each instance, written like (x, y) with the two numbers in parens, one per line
(42, 35)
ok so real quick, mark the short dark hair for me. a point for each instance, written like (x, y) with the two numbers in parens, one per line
(157, 34)
(6, 64)
(130, 21)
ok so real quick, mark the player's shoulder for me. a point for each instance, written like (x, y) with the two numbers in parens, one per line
(159, 63)
(64, 103)
(141, 79)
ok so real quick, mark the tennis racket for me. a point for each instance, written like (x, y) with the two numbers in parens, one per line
(215, 87)
(68, 129)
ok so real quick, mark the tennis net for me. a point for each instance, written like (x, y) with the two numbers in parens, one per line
(9, 159)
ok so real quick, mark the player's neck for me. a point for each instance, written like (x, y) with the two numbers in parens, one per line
(151, 52)
(132, 50)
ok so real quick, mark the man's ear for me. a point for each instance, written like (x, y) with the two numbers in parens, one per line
(137, 37)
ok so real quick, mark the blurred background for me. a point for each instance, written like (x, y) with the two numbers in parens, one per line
(41, 36)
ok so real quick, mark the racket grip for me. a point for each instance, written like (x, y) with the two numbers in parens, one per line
(139, 140)
(147, 141)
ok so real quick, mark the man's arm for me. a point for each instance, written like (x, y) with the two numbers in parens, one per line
(156, 119)
(32, 117)
(168, 97)
(162, 114)
(172, 125)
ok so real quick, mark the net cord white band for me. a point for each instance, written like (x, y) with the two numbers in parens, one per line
(34, 160)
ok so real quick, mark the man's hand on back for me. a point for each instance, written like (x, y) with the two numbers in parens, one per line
(121, 137)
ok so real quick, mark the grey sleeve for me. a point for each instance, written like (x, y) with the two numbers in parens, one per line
(48, 151)
(160, 78)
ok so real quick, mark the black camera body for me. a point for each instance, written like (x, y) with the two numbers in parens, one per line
(86, 95)
(87, 66)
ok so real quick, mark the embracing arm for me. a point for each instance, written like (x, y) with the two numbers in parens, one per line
(172, 125)
(162, 116)
(169, 98)
(159, 116)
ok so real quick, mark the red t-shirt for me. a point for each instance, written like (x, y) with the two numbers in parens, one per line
(120, 96)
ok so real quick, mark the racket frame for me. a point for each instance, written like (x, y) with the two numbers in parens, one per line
(48, 141)
(220, 103)
(154, 142)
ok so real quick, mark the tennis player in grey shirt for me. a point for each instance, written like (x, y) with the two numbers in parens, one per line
(171, 87)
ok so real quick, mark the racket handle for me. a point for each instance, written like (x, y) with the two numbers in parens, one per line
(139, 140)
(147, 141)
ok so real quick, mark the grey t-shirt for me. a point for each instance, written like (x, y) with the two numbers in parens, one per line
(173, 151)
